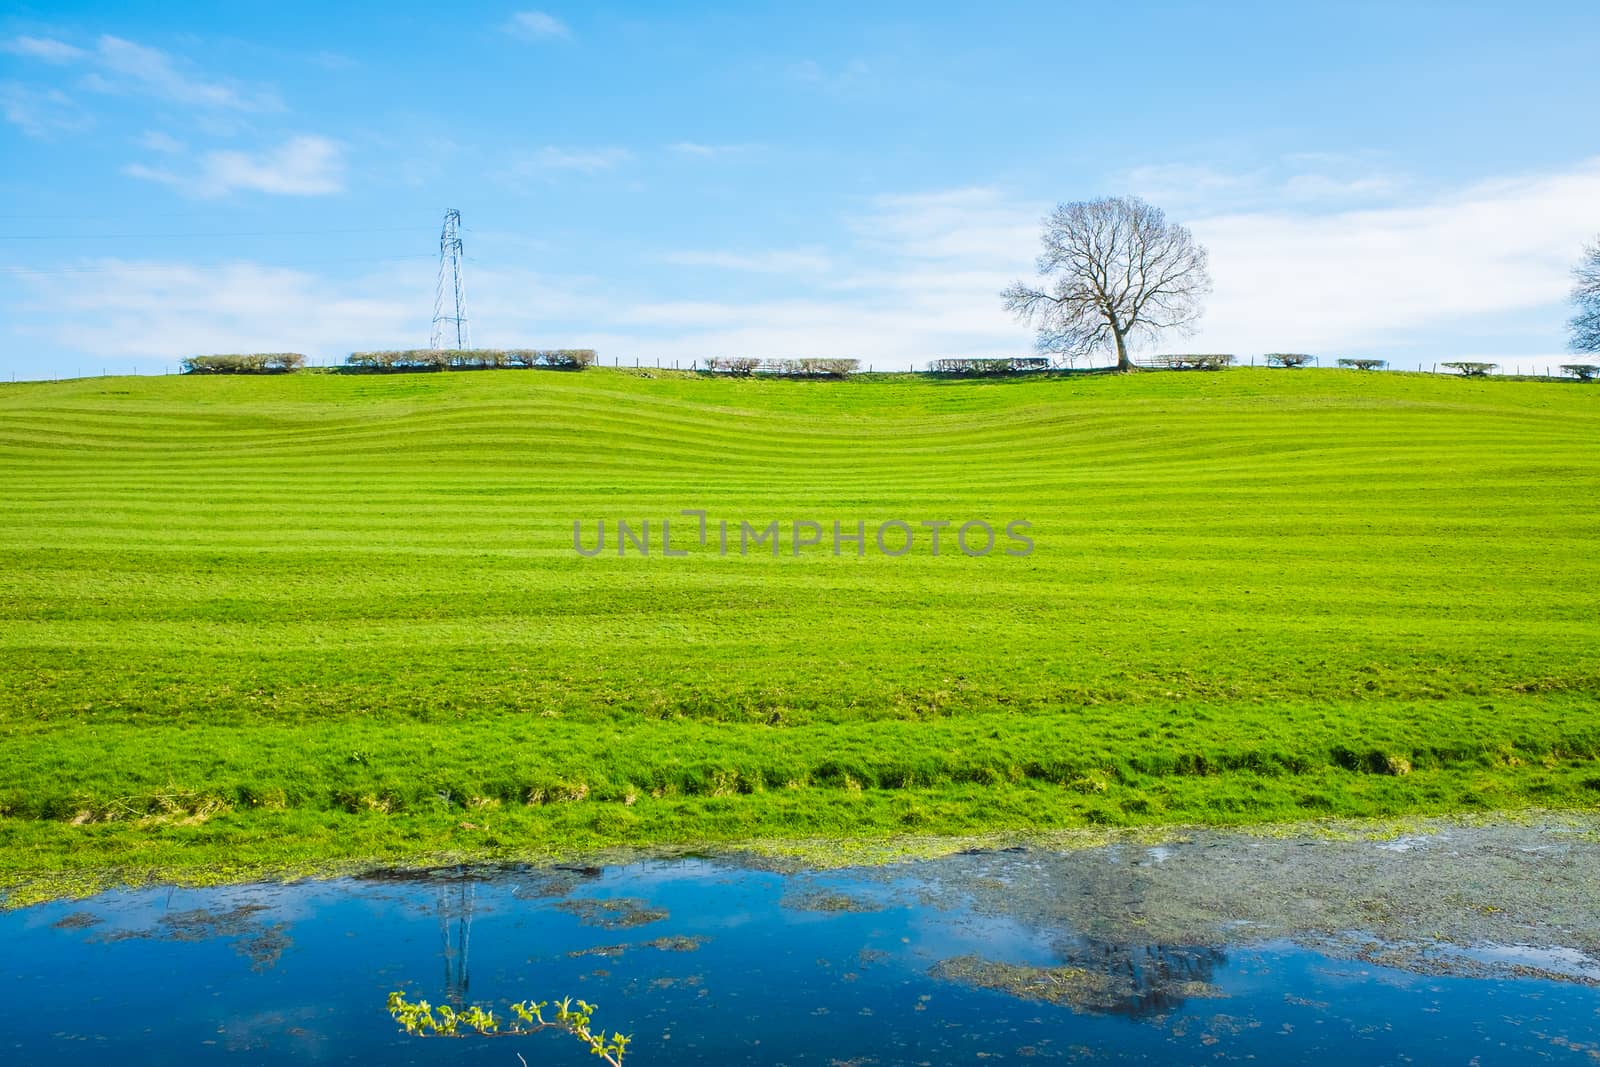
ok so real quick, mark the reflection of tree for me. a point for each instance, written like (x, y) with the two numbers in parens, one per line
(1107, 979)
(1147, 979)
(1101, 916)
(1094, 908)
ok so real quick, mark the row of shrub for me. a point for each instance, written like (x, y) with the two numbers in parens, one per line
(252, 363)
(426, 359)
(1194, 361)
(990, 365)
(1475, 369)
(810, 367)
(414, 359)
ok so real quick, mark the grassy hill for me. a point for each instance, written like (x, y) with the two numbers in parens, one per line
(257, 620)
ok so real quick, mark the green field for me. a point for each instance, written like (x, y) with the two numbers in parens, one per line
(259, 621)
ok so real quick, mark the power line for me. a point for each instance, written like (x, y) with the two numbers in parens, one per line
(230, 216)
(206, 233)
(209, 267)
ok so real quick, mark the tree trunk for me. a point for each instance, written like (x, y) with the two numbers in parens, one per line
(1124, 364)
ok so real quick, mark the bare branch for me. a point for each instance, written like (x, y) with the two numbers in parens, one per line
(1114, 272)
(1586, 298)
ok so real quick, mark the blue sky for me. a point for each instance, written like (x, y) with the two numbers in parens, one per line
(1412, 181)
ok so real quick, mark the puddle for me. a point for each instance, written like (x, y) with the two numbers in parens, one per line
(1478, 941)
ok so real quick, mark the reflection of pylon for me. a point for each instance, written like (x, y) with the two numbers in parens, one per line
(444, 326)
(457, 978)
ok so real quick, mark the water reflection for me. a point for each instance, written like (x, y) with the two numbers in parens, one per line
(249, 932)
(455, 905)
(1211, 947)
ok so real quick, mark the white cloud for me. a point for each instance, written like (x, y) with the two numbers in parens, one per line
(706, 151)
(1181, 184)
(774, 261)
(126, 309)
(301, 166)
(537, 26)
(581, 160)
(334, 61)
(41, 112)
(156, 141)
(45, 48)
(974, 226)
(1185, 188)
(1398, 282)
(1369, 278)
(924, 279)
(837, 80)
(1469, 272)
(133, 311)
(1323, 187)
(124, 64)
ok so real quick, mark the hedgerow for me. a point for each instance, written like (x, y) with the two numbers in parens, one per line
(808, 367)
(990, 365)
(251, 363)
(1194, 361)
(738, 366)
(426, 359)
(1470, 368)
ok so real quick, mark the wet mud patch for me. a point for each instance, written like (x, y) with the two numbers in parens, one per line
(826, 901)
(1442, 899)
(260, 942)
(1135, 981)
(677, 943)
(614, 913)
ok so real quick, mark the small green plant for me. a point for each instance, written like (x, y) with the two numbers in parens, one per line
(421, 1019)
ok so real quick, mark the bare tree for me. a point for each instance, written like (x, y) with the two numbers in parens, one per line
(1586, 295)
(1113, 271)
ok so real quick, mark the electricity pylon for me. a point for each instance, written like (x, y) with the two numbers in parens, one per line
(450, 330)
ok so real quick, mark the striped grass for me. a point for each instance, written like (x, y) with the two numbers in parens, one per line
(254, 621)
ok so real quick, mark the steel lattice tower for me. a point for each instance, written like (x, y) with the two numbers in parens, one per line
(450, 281)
